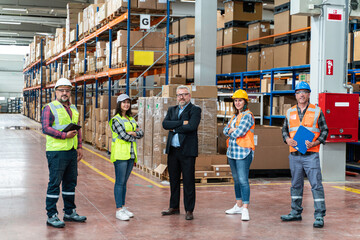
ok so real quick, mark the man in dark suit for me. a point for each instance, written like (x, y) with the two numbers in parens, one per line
(182, 121)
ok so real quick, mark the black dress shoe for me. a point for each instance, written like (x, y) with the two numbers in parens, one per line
(189, 215)
(170, 211)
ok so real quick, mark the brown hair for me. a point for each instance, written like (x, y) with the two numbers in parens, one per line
(118, 109)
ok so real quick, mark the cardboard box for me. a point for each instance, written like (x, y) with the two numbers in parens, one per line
(254, 108)
(253, 61)
(258, 30)
(280, 2)
(282, 22)
(356, 44)
(183, 47)
(269, 139)
(203, 91)
(200, 174)
(220, 38)
(219, 64)
(182, 69)
(161, 4)
(300, 53)
(154, 40)
(264, 85)
(187, 26)
(267, 58)
(234, 35)
(176, 28)
(305, 77)
(220, 23)
(172, 80)
(169, 91)
(233, 63)
(221, 168)
(350, 47)
(135, 36)
(104, 102)
(190, 69)
(242, 11)
(281, 56)
(298, 22)
(147, 4)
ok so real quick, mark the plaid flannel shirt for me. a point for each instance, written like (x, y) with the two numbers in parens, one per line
(324, 130)
(234, 151)
(47, 120)
(120, 130)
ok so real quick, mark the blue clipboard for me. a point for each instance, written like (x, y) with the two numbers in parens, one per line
(301, 135)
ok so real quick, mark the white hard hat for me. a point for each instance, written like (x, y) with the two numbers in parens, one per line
(122, 97)
(63, 82)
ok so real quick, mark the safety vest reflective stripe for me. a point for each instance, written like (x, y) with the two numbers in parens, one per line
(122, 122)
(54, 111)
(296, 197)
(52, 196)
(319, 200)
(68, 193)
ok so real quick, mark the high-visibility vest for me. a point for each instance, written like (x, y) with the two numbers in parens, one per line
(309, 121)
(246, 141)
(62, 119)
(120, 149)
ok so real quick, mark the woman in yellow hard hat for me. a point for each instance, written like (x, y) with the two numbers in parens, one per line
(240, 152)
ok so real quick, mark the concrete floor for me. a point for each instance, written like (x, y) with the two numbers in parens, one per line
(24, 178)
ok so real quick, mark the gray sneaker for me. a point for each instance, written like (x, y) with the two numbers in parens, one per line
(54, 221)
(74, 217)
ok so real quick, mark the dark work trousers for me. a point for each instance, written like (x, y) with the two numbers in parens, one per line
(177, 164)
(62, 169)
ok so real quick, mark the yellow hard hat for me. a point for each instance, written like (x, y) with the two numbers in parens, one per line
(240, 94)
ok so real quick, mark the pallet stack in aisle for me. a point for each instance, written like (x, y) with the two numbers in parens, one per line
(151, 113)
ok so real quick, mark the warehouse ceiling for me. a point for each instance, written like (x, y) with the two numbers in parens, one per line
(20, 20)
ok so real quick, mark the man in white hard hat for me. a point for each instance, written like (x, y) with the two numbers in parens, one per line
(63, 151)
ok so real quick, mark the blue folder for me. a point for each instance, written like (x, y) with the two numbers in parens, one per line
(301, 135)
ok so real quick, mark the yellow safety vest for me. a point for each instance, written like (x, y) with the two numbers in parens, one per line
(120, 149)
(62, 119)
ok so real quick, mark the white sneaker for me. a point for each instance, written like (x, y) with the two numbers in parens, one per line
(235, 210)
(245, 214)
(120, 214)
(130, 214)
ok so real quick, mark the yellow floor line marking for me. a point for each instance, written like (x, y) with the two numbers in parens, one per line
(354, 190)
(98, 171)
(105, 175)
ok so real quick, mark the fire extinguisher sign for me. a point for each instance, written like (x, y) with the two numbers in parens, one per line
(330, 67)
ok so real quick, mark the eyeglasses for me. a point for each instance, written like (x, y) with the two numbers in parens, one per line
(63, 90)
(182, 94)
(302, 92)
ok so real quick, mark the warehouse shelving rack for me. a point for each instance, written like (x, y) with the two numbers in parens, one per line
(107, 75)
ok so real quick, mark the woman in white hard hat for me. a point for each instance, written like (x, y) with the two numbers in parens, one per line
(240, 152)
(125, 131)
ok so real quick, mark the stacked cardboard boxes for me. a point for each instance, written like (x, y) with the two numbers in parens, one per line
(73, 10)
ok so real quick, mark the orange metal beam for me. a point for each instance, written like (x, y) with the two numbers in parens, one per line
(31, 65)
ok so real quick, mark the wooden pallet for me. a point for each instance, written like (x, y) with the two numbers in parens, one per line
(150, 171)
(205, 180)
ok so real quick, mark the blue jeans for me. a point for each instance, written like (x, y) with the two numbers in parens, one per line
(240, 172)
(122, 172)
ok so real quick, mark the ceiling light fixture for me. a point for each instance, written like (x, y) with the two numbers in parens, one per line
(10, 33)
(46, 34)
(15, 9)
(8, 41)
(189, 1)
(13, 23)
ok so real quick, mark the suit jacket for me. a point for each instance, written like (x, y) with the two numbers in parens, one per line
(188, 137)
